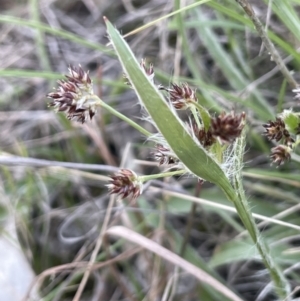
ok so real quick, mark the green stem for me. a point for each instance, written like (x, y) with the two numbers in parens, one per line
(102, 104)
(196, 117)
(39, 36)
(161, 175)
(237, 196)
(205, 116)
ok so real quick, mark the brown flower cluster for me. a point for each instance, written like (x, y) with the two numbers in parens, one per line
(181, 96)
(228, 127)
(276, 130)
(148, 70)
(75, 96)
(164, 156)
(125, 183)
(280, 154)
(204, 137)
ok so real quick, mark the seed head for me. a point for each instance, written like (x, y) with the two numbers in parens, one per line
(205, 137)
(148, 70)
(75, 96)
(275, 130)
(125, 182)
(164, 156)
(228, 127)
(280, 154)
(181, 97)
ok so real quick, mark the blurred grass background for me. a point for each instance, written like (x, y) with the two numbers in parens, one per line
(59, 211)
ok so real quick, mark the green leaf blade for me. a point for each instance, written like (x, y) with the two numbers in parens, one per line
(187, 150)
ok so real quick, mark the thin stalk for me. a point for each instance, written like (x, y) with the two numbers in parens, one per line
(195, 115)
(123, 117)
(55, 32)
(237, 196)
(190, 222)
(39, 37)
(162, 175)
(267, 42)
(187, 233)
(205, 116)
(93, 258)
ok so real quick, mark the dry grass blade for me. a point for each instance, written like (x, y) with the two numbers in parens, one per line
(32, 162)
(173, 258)
(98, 245)
(77, 265)
(227, 208)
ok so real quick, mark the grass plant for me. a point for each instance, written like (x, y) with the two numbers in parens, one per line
(159, 184)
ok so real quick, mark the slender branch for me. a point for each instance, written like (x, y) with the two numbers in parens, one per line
(191, 218)
(123, 117)
(10, 160)
(267, 42)
(88, 270)
(162, 175)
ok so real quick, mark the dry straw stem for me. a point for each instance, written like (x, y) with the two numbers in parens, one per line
(163, 18)
(267, 42)
(173, 258)
(10, 160)
(98, 245)
(225, 207)
(78, 265)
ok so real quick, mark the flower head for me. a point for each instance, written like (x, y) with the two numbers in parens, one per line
(75, 96)
(205, 137)
(148, 70)
(181, 97)
(228, 127)
(125, 182)
(280, 154)
(164, 156)
(275, 130)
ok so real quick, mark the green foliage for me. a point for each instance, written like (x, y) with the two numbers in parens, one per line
(219, 56)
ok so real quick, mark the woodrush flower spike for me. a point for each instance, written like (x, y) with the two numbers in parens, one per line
(280, 154)
(181, 97)
(164, 156)
(205, 137)
(75, 96)
(148, 70)
(125, 183)
(228, 127)
(275, 130)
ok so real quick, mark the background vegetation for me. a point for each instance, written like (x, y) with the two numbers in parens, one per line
(59, 210)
